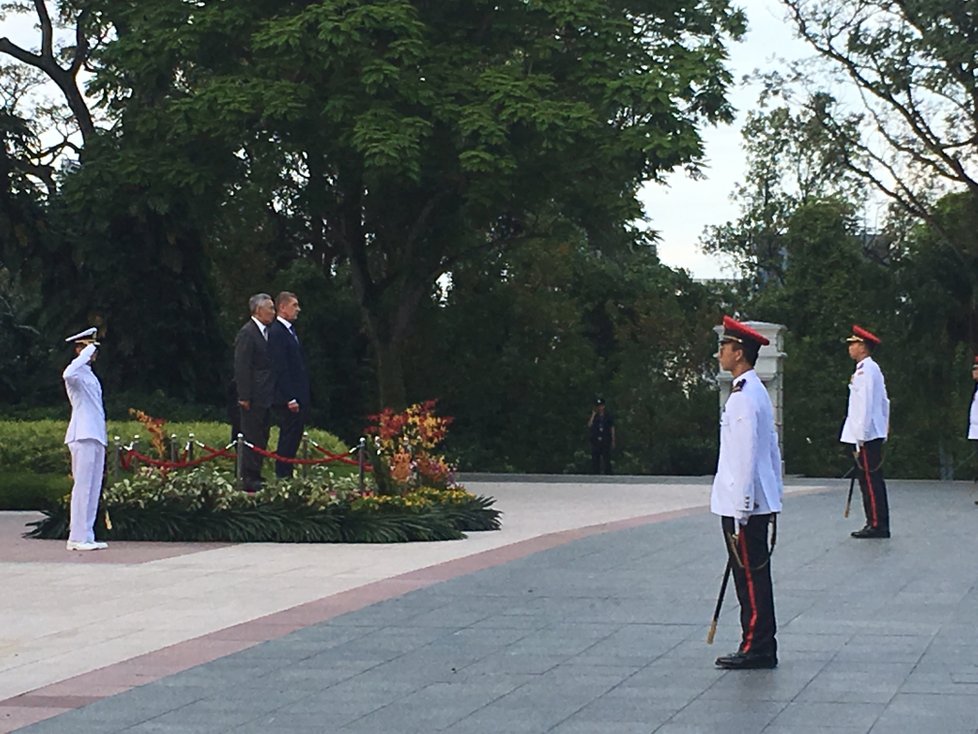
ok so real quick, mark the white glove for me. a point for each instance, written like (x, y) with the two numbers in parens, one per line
(742, 518)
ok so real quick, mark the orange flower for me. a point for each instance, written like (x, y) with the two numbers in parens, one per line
(401, 468)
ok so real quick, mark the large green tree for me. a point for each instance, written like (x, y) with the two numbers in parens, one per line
(124, 246)
(912, 125)
(408, 137)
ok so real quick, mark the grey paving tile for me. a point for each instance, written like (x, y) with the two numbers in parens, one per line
(574, 726)
(517, 715)
(309, 679)
(838, 687)
(783, 684)
(929, 712)
(942, 681)
(857, 715)
(708, 714)
(505, 662)
(628, 705)
(180, 727)
(813, 728)
(433, 708)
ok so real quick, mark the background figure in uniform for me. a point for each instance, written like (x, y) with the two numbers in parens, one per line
(747, 494)
(866, 427)
(86, 439)
(255, 384)
(291, 379)
(601, 432)
(973, 415)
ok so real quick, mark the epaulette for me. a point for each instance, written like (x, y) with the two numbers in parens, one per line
(738, 386)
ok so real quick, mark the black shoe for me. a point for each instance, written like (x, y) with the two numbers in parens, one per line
(746, 661)
(868, 532)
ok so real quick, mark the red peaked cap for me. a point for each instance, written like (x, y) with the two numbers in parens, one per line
(859, 334)
(736, 331)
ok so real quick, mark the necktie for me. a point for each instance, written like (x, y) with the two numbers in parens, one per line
(294, 335)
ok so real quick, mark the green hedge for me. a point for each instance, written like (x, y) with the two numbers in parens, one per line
(35, 465)
(39, 445)
(203, 505)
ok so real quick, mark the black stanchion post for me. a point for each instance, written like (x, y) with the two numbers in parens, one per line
(116, 459)
(361, 459)
(239, 447)
(135, 447)
(190, 447)
(173, 448)
(305, 453)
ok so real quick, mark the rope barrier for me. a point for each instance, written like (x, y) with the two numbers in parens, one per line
(339, 457)
(128, 453)
(127, 457)
(284, 459)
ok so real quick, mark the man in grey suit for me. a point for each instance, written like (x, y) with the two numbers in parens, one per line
(255, 382)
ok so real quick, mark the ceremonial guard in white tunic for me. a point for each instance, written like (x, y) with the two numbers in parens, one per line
(747, 494)
(866, 427)
(86, 439)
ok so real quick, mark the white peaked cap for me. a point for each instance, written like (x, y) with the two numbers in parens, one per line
(87, 334)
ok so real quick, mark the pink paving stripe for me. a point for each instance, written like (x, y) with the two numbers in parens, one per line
(43, 703)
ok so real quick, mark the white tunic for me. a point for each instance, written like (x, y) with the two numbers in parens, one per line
(973, 417)
(85, 394)
(748, 479)
(868, 417)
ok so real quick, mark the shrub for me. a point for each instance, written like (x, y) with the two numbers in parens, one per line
(202, 505)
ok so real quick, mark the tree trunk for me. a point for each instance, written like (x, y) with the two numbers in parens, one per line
(389, 358)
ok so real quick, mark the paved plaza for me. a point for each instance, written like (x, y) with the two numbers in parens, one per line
(586, 614)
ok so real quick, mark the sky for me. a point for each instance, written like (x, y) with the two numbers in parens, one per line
(680, 210)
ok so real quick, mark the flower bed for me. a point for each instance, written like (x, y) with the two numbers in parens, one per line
(410, 496)
(203, 505)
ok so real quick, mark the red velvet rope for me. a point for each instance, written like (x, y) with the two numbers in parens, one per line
(340, 457)
(284, 459)
(132, 453)
(126, 457)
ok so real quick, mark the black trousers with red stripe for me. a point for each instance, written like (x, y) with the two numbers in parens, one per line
(869, 471)
(752, 577)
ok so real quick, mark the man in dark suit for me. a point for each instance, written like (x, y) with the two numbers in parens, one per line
(255, 383)
(291, 379)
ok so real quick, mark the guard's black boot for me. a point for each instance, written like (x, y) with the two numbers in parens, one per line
(868, 532)
(747, 661)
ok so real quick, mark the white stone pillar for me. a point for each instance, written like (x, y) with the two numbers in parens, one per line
(769, 367)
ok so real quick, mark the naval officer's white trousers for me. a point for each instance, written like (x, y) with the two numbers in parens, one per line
(87, 468)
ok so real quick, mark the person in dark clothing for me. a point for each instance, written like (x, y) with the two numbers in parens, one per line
(601, 431)
(255, 384)
(291, 380)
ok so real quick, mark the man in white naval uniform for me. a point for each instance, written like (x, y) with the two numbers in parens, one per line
(86, 439)
(866, 427)
(747, 494)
